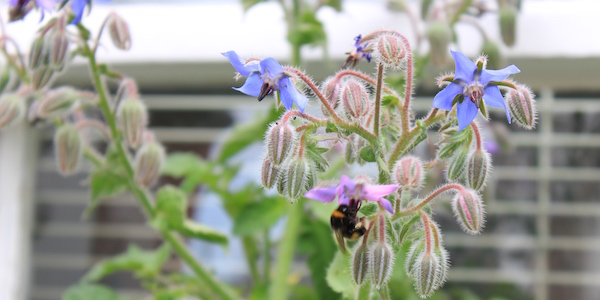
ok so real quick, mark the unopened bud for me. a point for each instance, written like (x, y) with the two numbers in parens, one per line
(12, 109)
(350, 152)
(355, 99)
(439, 35)
(268, 173)
(382, 264)
(360, 263)
(457, 164)
(442, 256)
(427, 274)
(149, 160)
(494, 57)
(58, 46)
(133, 118)
(57, 102)
(119, 32)
(281, 141)
(68, 146)
(330, 90)
(508, 20)
(391, 51)
(296, 178)
(413, 254)
(478, 166)
(409, 172)
(521, 105)
(37, 53)
(41, 76)
(5, 78)
(468, 209)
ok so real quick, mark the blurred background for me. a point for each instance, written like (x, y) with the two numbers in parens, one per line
(541, 239)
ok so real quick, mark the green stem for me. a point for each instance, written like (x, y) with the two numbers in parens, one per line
(384, 293)
(287, 247)
(267, 256)
(405, 140)
(363, 292)
(296, 55)
(251, 254)
(378, 98)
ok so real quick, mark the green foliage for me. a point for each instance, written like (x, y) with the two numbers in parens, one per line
(307, 31)
(203, 232)
(108, 180)
(171, 204)
(339, 277)
(90, 292)
(247, 4)
(258, 216)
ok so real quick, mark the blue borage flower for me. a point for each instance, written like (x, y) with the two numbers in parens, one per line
(349, 189)
(78, 6)
(473, 85)
(264, 78)
(360, 51)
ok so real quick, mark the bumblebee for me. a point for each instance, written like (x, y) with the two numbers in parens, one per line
(346, 224)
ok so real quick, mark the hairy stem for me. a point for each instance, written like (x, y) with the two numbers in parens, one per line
(380, 69)
(429, 198)
(477, 134)
(363, 77)
(405, 139)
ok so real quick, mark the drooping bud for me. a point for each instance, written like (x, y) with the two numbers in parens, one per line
(296, 178)
(355, 99)
(427, 274)
(58, 47)
(38, 53)
(415, 251)
(468, 209)
(42, 76)
(68, 145)
(508, 24)
(391, 51)
(350, 152)
(133, 119)
(382, 264)
(457, 164)
(478, 166)
(521, 105)
(360, 263)
(57, 102)
(439, 35)
(119, 32)
(268, 173)
(330, 90)
(281, 141)
(409, 172)
(12, 109)
(149, 160)
(494, 57)
(442, 256)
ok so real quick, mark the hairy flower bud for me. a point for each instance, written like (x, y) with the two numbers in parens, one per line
(478, 166)
(330, 89)
(57, 102)
(350, 152)
(296, 178)
(149, 160)
(281, 141)
(508, 20)
(58, 47)
(428, 274)
(468, 210)
(360, 263)
(41, 76)
(439, 35)
(456, 166)
(409, 172)
(415, 251)
(68, 145)
(12, 109)
(494, 57)
(133, 119)
(382, 264)
(268, 173)
(119, 32)
(521, 105)
(391, 51)
(38, 53)
(355, 99)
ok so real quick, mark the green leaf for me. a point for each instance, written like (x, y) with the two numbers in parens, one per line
(260, 291)
(90, 292)
(322, 211)
(331, 127)
(367, 153)
(144, 264)
(203, 232)
(307, 31)
(181, 164)
(314, 153)
(369, 209)
(171, 203)
(249, 3)
(259, 216)
(335, 4)
(339, 277)
(246, 134)
(389, 100)
(106, 181)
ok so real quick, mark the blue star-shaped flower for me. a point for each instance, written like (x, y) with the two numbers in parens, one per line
(266, 77)
(78, 6)
(474, 85)
(360, 51)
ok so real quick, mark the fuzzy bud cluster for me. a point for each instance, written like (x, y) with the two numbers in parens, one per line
(12, 109)
(57, 103)
(48, 53)
(521, 104)
(391, 51)
(355, 99)
(281, 141)
(468, 210)
(409, 172)
(133, 118)
(68, 147)
(149, 160)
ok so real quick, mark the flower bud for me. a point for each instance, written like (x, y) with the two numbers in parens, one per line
(38, 54)
(41, 76)
(281, 141)
(12, 109)
(119, 32)
(442, 256)
(478, 166)
(415, 251)
(355, 99)
(133, 119)
(428, 274)
(360, 263)
(521, 105)
(149, 160)
(68, 146)
(391, 51)
(508, 20)
(382, 263)
(494, 57)
(457, 164)
(296, 178)
(5, 78)
(330, 90)
(57, 103)
(409, 172)
(350, 152)
(268, 173)
(58, 46)
(439, 35)
(468, 209)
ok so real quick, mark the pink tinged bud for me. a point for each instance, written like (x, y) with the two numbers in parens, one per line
(41, 76)
(521, 105)
(281, 141)
(428, 274)
(478, 167)
(457, 165)
(382, 263)
(38, 54)
(133, 119)
(119, 32)
(268, 173)
(149, 160)
(508, 20)
(58, 47)
(57, 103)
(391, 51)
(468, 210)
(68, 145)
(12, 109)
(440, 36)
(296, 179)
(330, 90)
(409, 172)
(360, 264)
(355, 99)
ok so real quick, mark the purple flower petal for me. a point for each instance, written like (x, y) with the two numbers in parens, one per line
(46, 5)
(252, 86)
(497, 75)
(493, 97)
(322, 194)
(374, 192)
(444, 98)
(239, 65)
(465, 113)
(14, 2)
(464, 67)
(288, 94)
(78, 6)
(387, 205)
(271, 67)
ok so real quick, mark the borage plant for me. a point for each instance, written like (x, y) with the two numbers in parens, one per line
(379, 215)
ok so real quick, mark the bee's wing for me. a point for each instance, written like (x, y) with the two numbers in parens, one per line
(340, 240)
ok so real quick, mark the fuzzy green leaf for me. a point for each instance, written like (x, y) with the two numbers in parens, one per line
(203, 232)
(339, 277)
(171, 203)
(90, 292)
